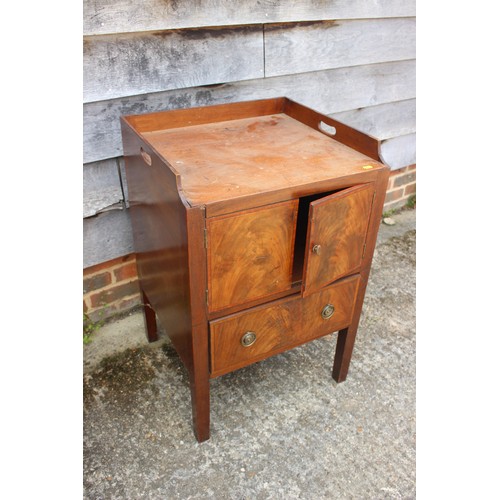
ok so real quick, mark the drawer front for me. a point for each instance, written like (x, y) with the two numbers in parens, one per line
(243, 338)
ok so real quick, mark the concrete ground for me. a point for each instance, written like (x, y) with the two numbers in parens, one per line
(281, 428)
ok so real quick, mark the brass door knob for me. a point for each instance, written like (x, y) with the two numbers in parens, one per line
(317, 249)
(248, 339)
(327, 311)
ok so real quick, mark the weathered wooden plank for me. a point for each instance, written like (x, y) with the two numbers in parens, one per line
(329, 91)
(383, 121)
(101, 186)
(399, 152)
(106, 236)
(121, 166)
(130, 64)
(120, 16)
(301, 47)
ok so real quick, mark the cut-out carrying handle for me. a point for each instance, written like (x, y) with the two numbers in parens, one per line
(355, 139)
(329, 130)
(351, 137)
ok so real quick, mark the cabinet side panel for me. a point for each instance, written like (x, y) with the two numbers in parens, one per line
(346, 338)
(159, 229)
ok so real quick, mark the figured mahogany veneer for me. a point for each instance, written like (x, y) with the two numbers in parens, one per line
(258, 144)
(250, 254)
(254, 229)
(338, 226)
(279, 326)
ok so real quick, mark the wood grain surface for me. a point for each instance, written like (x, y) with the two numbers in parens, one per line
(233, 159)
(195, 261)
(279, 326)
(110, 16)
(123, 65)
(199, 370)
(165, 54)
(101, 186)
(347, 336)
(297, 48)
(101, 183)
(106, 236)
(328, 91)
(153, 123)
(158, 217)
(338, 224)
(250, 254)
(383, 121)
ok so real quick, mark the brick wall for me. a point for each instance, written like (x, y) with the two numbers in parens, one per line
(402, 185)
(111, 288)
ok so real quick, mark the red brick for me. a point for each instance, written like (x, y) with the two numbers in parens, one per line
(96, 282)
(126, 272)
(121, 306)
(411, 189)
(393, 175)
(405, 179)
(120, 291)
(412, 167)
(129, 302)
(394, 195)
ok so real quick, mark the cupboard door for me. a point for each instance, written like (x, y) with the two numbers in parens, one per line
(250, 254)
(336, 236)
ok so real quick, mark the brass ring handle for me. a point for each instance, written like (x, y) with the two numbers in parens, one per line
(317, 249)
(248, 339)
(327, 311)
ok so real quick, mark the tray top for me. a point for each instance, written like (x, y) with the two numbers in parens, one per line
(237, 158)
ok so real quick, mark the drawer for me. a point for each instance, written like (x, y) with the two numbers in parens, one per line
(243, 338)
